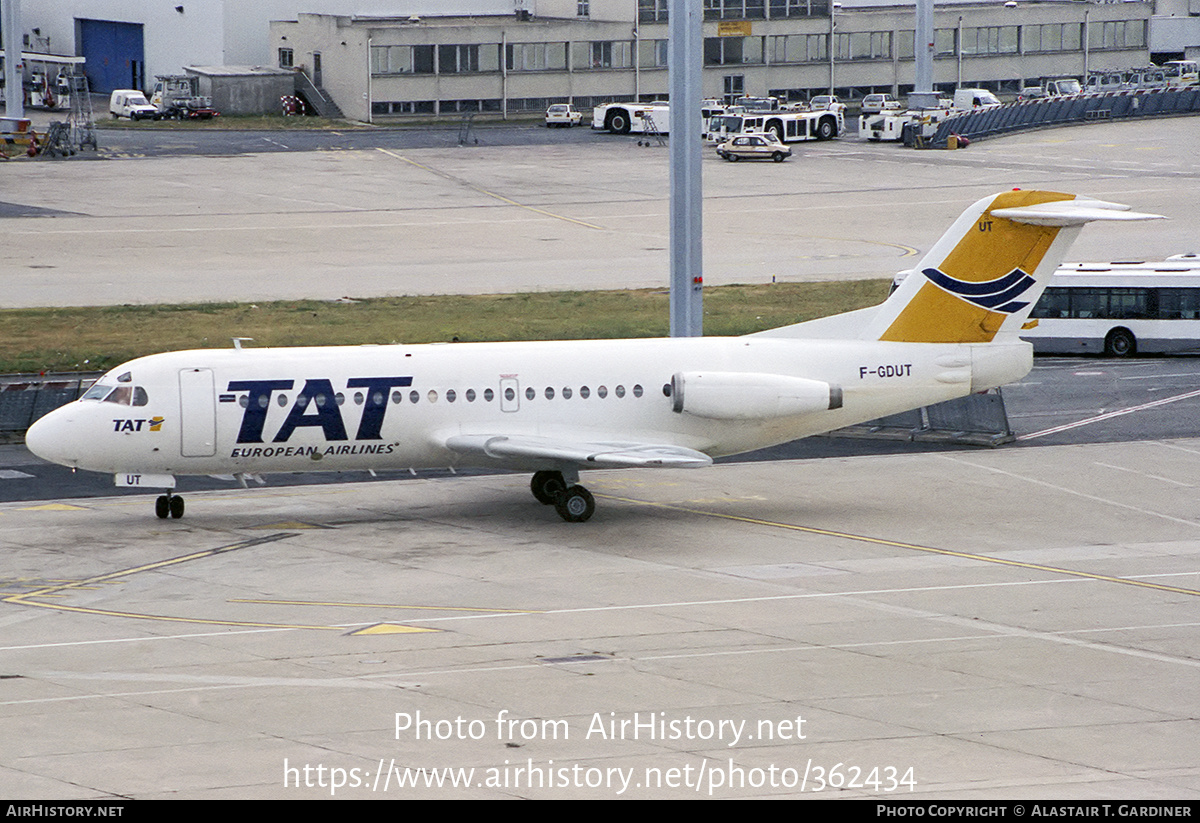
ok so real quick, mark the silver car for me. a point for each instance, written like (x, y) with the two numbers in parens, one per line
(754, 147)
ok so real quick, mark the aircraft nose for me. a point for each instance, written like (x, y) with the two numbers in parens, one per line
(49, 438)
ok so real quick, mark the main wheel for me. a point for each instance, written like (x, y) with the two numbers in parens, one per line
(618, 123)
(176, 506)
(162, 506)
(547, 486)
(1120, 343)
(575, 505)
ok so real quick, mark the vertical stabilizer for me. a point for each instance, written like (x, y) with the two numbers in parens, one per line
(982, 279)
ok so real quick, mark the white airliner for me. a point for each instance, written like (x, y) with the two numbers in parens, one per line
(556, 408)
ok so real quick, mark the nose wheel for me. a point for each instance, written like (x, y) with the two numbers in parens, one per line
(169, 505)
(573, 502)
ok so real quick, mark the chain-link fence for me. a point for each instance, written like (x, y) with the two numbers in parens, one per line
(26, 397)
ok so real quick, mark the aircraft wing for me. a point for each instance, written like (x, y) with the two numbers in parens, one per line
(525, 449)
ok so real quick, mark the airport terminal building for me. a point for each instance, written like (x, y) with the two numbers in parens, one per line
(593, 51)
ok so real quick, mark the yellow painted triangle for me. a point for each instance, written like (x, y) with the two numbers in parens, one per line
(390, 628)
(54, 507)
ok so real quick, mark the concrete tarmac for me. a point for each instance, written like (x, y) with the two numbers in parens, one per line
(966, 625)
(580, 215)
(1016, 623)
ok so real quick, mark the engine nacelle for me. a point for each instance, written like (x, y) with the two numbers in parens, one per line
(750, 396)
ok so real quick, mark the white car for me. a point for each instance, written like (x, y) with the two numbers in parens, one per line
(131, 103)
(754, 147)
(876, 103)
(826, 102)
(563, 114)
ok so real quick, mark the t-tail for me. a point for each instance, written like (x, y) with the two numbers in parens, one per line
(981, 280)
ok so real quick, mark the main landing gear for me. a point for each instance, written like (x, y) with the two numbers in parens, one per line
(573, 502)
(169, 505)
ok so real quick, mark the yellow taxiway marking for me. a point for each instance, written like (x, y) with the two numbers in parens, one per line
(58, 589)
(499, 197)
(53, 507)
(879, 541)
(50, 590)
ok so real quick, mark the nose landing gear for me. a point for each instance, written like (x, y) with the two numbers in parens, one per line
(169, 505)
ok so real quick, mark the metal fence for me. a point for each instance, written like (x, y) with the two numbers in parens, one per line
(977, 419)
(26, 397)
(1058, 111)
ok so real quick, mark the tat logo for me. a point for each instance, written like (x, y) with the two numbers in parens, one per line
(137, 424)
(319, 396)
(999, 295)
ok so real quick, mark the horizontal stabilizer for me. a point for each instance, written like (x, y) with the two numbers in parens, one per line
(1071, 213)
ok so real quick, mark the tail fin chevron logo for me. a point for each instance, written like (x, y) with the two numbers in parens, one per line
(998, 295)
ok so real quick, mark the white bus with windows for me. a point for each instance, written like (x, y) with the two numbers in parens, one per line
(1120, 309)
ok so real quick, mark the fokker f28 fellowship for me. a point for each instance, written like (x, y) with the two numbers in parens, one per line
(556, 408)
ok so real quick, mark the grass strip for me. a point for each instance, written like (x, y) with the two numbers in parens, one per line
(98, 338)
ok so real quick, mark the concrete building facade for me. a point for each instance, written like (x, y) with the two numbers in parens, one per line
(128, 42)
(593, 51)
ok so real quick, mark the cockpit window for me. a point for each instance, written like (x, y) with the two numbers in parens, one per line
(121, 395)
(98, 391)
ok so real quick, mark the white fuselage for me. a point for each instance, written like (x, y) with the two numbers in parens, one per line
(396, 407)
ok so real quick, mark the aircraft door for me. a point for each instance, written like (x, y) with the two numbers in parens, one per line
(510, 394)
(197, 413)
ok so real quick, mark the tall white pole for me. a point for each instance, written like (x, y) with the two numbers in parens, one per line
(685, 52)
(923, 96)
(14, 91)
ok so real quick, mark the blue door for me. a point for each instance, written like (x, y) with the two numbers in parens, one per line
(114, 53)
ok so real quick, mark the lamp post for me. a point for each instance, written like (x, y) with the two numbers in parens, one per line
(833, 7)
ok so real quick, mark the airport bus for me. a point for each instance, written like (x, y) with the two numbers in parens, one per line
(1120, 309)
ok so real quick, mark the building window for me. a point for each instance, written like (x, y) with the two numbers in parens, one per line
(798, 8)
(944, 42)
(732, 51)
(799, 48)
(582, 8)
(864, 45)
(1117, 34)
(1051, 37)
(603, 54)
(458, 59)
(734, 9)
(652, 54)
(401, 60)
(406, 107)
(990, 40)
(652, 11)
(286, 61)
(535, 56)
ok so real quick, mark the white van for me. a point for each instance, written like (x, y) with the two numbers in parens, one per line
(131, 103)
